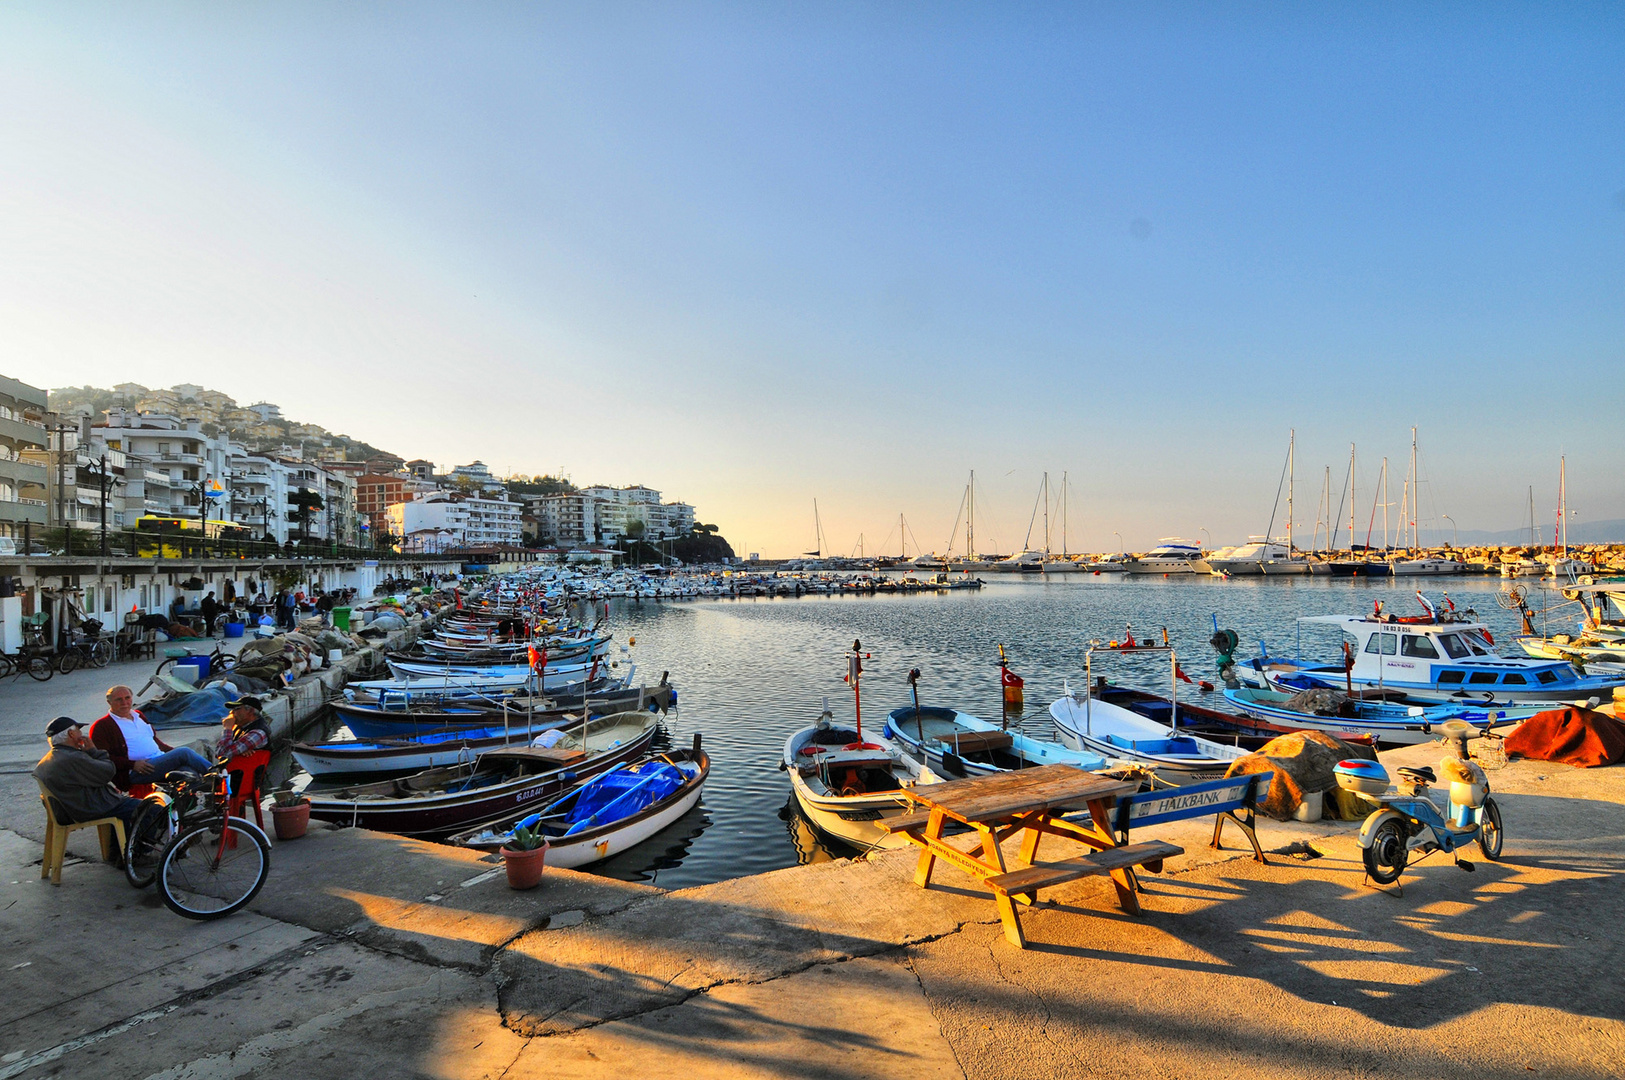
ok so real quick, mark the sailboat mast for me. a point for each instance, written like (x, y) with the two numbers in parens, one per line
(1291, 451)
(1063, 513)
(1562, 506)
(1415, 484)
(970, 520)
(1351, 498)
(1046, 515)
(1385, 542)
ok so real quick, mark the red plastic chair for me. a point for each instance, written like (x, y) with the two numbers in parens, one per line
(247, 773)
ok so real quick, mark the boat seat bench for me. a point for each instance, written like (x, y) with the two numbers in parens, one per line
(1029, 879)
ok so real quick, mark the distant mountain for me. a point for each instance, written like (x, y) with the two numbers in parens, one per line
(1581, 532)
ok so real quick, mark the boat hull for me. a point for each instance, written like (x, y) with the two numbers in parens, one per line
(1116, 733)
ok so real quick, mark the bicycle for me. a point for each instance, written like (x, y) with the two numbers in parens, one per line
(207, 864)
(32, 659)
(219, 660)
(89, 649)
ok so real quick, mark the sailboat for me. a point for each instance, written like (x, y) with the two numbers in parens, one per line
(1065, 562)
(1290, 563)
(1418, 563)
(1358, 563)
(1561, 567)
(1027, 560)
(1516, 566)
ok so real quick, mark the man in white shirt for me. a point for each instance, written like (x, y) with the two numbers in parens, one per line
(138, 754)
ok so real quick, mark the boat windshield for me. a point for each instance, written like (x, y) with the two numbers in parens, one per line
(1453, 646)
(1419, 647)
(1478, 643)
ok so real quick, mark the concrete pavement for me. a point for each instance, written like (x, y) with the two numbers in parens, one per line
(372, 953)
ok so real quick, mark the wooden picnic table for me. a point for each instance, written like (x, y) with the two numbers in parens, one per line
(1030, 801)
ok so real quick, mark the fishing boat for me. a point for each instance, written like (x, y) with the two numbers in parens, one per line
(1388, 722)
(574, 680)
(1086, 723)
(957, 745)
(440, 801)
(609, 814)
(847, 786)
(398, 719)
(434, 670)
(1438, 657)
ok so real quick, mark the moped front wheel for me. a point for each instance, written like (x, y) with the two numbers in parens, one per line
(1386, 857)
(1489, 829)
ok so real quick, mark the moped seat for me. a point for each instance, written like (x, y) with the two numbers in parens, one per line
(1423, 775)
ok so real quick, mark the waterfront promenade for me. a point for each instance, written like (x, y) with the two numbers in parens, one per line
(372, 954)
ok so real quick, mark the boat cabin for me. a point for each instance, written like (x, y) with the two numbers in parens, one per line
(1447, 654)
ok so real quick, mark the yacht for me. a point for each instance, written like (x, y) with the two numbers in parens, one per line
(1171, 556)
(1249, 558)
(1424, 565)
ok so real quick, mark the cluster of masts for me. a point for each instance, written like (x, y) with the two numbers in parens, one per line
(1327, 521)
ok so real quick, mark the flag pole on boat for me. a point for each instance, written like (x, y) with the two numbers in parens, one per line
(854, 672)
(919, 722)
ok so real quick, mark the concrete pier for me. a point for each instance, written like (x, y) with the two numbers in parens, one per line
(372, 954)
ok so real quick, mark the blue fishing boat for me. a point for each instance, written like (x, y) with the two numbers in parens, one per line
(957, 744)
(1391, 723)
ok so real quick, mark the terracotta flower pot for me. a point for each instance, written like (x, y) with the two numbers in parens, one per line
(291, 821)
(524, 867)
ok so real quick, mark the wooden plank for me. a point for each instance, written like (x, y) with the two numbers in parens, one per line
(905, 822)
(928, 861)
(973, 742)
(1057, 793)
(1031, 878)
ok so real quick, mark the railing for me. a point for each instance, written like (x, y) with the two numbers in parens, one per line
(155, 545)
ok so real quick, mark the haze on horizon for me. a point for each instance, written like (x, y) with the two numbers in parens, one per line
(755, 255)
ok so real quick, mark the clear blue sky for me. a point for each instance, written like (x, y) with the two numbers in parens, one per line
(758, 254)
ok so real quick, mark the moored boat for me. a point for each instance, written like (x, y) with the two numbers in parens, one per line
(846, 786)
(958, 745)
(609, 814)
(1389, 723)
(444, 800)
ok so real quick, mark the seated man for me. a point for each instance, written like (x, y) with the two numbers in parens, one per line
(244, 729)
(79, 776)
(138, 755)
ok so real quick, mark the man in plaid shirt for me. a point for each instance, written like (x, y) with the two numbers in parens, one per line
(245, 730)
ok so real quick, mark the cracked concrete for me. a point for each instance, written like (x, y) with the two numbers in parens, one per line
(376, 953)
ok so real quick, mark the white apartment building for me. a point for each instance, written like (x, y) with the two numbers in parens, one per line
(617, 508)
(179, 460)
(259, 494)
(448, 519)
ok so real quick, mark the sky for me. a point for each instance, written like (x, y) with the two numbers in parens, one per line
(755, 255)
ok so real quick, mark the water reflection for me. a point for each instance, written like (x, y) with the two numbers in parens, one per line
(751, 671)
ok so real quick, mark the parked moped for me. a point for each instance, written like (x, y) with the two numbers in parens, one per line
(1413, 825)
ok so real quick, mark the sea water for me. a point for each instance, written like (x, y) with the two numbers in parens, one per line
(749, 672)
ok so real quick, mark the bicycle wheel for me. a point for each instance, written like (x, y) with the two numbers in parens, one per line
(144, 845)
(68, 661)
(39, 668)
(101, 653)
(6, 666)
(205, 875)
(223, 661)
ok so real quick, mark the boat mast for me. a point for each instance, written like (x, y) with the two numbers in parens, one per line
(1562, 508)
(1351, 499)
(1046, 515)
(1291, 449)
(970, 518)
(1385, 541)
(1415, 484)
(1063, 513)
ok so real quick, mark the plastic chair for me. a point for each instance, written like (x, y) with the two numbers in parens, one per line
(57, 828)
(247, 774)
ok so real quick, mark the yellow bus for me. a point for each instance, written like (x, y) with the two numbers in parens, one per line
(184, 528)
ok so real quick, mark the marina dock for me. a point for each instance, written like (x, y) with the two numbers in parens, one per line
(371, 952)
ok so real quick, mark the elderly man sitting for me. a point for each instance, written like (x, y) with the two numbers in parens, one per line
(79, 776)
(138, 755)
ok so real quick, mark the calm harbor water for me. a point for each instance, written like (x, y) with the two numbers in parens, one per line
(751, 671)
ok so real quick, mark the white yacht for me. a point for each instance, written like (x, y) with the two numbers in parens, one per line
(1171, 556)
(1249, 558)
(1424, 565)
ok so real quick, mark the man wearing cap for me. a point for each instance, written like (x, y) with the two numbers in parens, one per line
(138, 755)
(79, 776)
(244, 729)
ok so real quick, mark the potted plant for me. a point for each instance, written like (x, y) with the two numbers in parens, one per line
(523, 857)
(290, 813)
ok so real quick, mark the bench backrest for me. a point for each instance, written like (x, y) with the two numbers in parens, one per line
(1190, 801)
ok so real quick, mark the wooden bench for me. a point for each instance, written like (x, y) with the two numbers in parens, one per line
(976, 742)
(1029, 879)
(1234, 798)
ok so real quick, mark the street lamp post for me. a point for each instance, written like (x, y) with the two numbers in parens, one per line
(1121, 550)
(1454, 536)
(1207, 534)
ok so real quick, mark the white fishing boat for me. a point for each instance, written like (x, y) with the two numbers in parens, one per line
(958, 745)
(846, 786)
(1084, 722)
